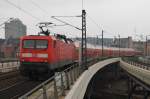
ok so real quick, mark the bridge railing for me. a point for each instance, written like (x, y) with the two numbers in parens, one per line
(137, 64)
(56, 86)
(138, 72)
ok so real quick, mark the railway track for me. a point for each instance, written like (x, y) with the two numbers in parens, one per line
(13, 85)
(137, 61)
(17, 89)
(8, 75)
(142, 63)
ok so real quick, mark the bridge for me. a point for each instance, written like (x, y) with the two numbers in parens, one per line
(76, 84)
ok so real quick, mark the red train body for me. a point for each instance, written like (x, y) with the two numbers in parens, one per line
(42, 55)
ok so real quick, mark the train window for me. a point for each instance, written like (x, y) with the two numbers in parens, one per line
(28, 43)
(39, 44)
(42, 44)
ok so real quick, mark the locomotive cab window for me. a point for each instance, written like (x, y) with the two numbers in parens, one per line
(42, 44)
(28, 44)
(37, 44)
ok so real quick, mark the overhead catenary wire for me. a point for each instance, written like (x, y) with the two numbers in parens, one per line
(94, 21)
(38, 6)
(68, 16)
(100, 28)
(96, 24)
(45, 12)
(65, 23)
(19, 8)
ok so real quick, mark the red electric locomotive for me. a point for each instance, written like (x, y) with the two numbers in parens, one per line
(44, 54)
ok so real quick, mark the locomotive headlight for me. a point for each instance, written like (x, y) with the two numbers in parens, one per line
(42, 55)
(26, 54)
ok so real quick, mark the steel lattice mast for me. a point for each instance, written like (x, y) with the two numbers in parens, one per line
(83, 43)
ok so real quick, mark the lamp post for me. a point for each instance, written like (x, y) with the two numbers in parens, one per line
(146, 47)
(102, 43)
(119, 44)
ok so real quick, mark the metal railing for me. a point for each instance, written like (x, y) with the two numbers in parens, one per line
(6, 66)
(138, 72)
(137, 65)
(56, 86)
(144, 60)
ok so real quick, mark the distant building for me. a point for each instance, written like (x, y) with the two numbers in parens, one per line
(139, 45)
(98, 41)
(9, 48)
(147, 48)
(14, 29)
(124, 42)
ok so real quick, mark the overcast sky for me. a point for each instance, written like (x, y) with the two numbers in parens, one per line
(114, 16)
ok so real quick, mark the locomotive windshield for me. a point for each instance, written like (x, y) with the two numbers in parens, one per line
(41, 44)
(37, 44)
(28, 44)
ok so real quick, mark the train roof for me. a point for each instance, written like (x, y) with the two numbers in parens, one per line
(53, 37)
(105, 47)
(35, 37)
